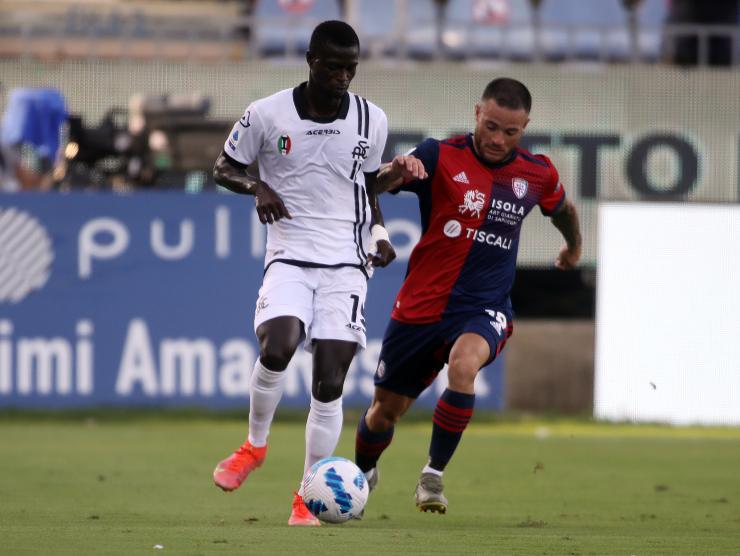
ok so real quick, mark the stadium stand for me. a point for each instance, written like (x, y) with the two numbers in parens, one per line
(557, 31)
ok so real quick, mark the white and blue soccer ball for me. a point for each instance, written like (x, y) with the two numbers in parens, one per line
(335, 490)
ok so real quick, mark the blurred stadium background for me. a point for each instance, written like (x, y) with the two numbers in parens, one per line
(130, 281)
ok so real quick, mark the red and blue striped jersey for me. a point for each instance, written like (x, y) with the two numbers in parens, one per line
(471, 217)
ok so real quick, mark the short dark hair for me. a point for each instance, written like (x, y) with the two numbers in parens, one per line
(508, 93)
(337, 33)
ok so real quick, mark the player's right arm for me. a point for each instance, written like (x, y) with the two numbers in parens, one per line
(241, 148)
(234, 176)
(410, 171)
(403, 168)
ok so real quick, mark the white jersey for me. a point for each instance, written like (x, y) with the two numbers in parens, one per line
(316, 166)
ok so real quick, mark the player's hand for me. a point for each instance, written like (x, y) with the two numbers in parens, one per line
(408, 167)
(270, 207)
(568, 258)
(384, 254)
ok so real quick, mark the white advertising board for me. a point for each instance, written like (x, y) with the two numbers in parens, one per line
(668, 313)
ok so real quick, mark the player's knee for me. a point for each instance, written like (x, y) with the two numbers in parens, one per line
(461, 373)
(328, 389)
(276, 356)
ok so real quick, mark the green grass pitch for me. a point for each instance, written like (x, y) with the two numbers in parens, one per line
(114, 486)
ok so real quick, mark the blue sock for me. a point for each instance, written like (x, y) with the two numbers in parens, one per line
(451, 416)
(370, 445)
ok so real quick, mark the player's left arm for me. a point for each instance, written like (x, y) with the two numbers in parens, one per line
(381, 251)
(565, 219)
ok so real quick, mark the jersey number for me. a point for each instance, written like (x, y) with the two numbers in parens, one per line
(499, 323)
(355, 305)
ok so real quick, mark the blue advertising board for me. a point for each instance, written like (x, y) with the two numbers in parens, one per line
(148, 300)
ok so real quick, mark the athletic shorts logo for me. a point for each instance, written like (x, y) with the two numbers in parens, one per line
(380, 371)
(284, 144)
(474, 201)
(452, 228)
(520, 187)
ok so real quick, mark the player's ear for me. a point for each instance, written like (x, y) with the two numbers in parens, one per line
(525, 124)
(477, 110)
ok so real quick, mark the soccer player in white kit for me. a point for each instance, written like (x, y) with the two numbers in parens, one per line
(319, 148)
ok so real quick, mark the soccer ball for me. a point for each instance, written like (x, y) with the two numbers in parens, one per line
(335, 490)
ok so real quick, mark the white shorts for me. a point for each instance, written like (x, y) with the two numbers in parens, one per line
(329, 301)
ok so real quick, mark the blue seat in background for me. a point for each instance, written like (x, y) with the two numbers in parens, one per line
(377, 28)
(277, 32)
(570, 29)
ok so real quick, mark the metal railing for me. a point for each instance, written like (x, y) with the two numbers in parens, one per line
(137, 35)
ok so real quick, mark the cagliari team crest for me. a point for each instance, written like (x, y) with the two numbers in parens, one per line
(284, 143)
(520, 187)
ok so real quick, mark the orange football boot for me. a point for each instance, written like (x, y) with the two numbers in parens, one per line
(234, 470)
(300, 515)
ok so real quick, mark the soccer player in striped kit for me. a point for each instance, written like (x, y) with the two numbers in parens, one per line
(454, 304)
(318, 146)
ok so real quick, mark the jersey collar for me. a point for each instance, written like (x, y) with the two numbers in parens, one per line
(301, 106)
(508, 160)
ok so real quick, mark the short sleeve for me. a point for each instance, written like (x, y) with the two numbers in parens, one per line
(380, 136)
(553, 195)
(428, 152)
(245, 140)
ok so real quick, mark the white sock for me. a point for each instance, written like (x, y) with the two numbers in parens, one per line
(431, 470)
(265, 391)
(323, 427)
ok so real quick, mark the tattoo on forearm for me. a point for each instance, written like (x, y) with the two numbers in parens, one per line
(566, 221)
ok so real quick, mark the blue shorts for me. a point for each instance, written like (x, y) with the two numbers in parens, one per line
(413, 354)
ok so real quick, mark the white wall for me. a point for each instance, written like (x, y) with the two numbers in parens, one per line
(668, 313)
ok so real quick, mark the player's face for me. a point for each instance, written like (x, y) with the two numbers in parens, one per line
(333, 68)
(497, 130)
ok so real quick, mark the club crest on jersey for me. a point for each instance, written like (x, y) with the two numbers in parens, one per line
(520, 187)
(474, 201)
(284, 143)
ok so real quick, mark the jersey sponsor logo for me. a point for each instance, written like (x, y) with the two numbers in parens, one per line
(462, 177)
(452, 228)
(284, 144)
(244, 120)
(323, 132)
(520, 187)
(474, 201)
(506, 206)
(481, 236)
